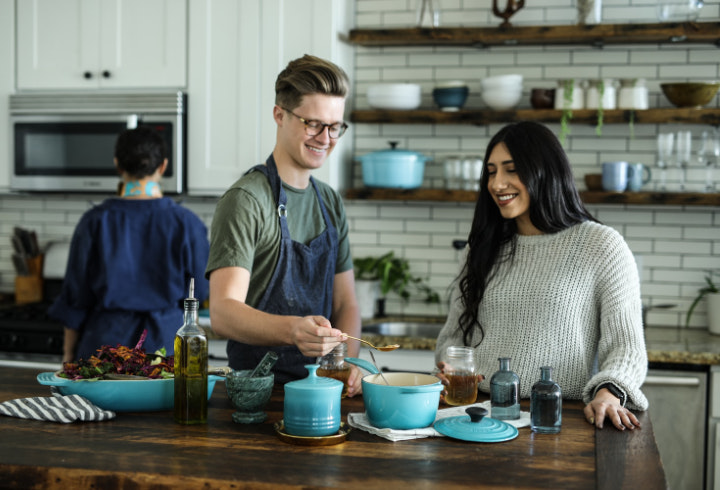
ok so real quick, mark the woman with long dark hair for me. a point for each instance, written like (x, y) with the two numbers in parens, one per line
(546, 284)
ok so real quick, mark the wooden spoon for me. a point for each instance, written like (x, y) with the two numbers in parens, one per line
(386, 348)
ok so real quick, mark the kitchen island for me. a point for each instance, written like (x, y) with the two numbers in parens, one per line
(148, 450)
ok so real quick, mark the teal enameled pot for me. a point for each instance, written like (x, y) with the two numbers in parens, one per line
(312, 405)
(409, 401)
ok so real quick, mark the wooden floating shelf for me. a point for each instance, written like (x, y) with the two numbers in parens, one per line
(710, 116)
(596, 35)
(588, 197)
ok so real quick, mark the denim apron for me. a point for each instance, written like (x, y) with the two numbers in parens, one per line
(301, 285)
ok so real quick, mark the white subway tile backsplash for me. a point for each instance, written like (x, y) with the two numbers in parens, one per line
(378, 225)
(431, 228)
(686, 71)
(683, 219)
(411, 212)
(707, 233)
(395, 240)
(658, 232)
(701, 263)
(684, 247)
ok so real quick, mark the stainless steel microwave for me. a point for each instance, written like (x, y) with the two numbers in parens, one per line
(65, 142)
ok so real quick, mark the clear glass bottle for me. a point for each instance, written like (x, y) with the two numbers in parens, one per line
(505, 392)
(461, 373)
(332, 365)
(191, 366)
(546, 404)
(709, 157)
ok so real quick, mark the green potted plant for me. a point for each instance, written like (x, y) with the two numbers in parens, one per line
(384, 274)
(712, 292)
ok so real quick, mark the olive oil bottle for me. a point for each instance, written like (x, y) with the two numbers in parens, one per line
(191, 366)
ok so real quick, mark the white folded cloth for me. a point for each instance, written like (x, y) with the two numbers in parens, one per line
(64, 409)
(360, 421)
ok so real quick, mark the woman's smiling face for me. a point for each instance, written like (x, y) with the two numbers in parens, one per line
(508, 191)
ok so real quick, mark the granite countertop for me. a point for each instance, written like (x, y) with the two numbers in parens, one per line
(665, 345)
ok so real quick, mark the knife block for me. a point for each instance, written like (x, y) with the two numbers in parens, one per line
(29, 289)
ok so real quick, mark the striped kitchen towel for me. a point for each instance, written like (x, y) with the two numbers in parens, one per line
(64, 409)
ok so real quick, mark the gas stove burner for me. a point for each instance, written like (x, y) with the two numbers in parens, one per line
(28, 329)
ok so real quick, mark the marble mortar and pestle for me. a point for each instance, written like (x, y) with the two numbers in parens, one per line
(250, 390)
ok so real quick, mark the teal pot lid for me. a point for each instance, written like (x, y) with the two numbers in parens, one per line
(475, 427)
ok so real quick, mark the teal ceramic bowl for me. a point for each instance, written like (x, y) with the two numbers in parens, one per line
(143, 395)
(450, 98)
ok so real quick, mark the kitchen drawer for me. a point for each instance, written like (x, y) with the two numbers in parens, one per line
(678, 408)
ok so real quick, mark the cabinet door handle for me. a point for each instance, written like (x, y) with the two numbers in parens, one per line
(88, 75)
(668, 381)
(106, 74)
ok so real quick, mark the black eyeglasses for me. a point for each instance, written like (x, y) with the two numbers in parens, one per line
(314, 128)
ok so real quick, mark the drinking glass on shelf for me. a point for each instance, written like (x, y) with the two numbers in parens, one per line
(709, 157)
(665, 143)
(683, 147)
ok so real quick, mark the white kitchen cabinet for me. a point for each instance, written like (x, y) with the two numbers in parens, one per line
(90, 44)
(236, 50)
(678, 410)
(7, 60)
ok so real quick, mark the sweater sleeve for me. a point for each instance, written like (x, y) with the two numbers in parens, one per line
(622, 356)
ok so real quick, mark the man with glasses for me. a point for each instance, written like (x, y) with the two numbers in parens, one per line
(280, 268)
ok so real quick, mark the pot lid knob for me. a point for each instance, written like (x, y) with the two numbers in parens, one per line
(476, 413)
(393, 144)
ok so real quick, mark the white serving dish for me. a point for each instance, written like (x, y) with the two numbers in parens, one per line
(394, 96)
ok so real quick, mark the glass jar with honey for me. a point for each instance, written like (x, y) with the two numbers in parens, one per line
(332, 365)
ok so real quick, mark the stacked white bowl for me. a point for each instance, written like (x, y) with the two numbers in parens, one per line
(394, 96)
(501, 92)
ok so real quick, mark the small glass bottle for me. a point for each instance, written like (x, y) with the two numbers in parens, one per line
(546, 404)
(191, 366)
(461, 373)
(332, 365)
(505, 392)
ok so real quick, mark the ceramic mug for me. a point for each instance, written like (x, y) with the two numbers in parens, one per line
(638, 176)
(614, 176)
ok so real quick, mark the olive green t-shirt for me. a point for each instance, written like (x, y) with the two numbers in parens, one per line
(245, 230)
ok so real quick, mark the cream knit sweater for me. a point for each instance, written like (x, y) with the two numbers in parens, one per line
(570, 300)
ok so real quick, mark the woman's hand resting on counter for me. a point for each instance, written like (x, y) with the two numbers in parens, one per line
(605, 405)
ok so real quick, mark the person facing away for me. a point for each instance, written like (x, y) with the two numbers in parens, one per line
(544, 283)
(280, 268)
(131, 259)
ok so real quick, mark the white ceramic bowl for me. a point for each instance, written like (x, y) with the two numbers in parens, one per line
(451, 84)
(500, 81)
(394, 96)
(502, 98)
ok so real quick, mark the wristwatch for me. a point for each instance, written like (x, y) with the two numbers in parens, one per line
(616, 392)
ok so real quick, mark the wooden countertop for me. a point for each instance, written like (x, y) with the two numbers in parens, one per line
(148, 450)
